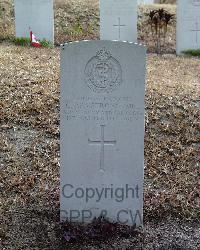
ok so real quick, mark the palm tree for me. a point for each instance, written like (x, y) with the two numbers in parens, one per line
(159, 20)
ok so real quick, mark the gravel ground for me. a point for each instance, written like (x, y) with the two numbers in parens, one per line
(30, 153)
(39, 229)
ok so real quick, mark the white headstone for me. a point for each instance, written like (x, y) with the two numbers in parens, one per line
(118, 20)
(37, 15)
(102, 131)
(188, 25)
(145, 1)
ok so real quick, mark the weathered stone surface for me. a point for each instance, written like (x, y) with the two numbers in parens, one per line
(37, 15)
(102, 131)
(188, 25)
(118, 20)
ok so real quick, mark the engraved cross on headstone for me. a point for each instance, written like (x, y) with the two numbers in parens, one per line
(102, 142)
(196, 30)
(119, 25)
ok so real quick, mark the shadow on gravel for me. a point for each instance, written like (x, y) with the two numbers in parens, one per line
(41, 229)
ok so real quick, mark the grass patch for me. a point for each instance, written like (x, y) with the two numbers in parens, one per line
(46, 43)
(22, 41)
(192, 52)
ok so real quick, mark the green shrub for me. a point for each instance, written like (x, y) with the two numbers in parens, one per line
(22, 41)
(192, 52)
(46, 43)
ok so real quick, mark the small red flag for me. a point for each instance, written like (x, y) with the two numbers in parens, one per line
(34, 41)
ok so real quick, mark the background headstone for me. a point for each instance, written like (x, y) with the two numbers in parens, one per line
(145, 1)
(188, 25)
(102, 131)
(38, 15)
(118, 20)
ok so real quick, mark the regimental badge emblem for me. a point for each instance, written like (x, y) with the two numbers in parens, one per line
(103, 73)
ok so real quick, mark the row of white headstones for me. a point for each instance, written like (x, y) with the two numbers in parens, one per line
(118, 20)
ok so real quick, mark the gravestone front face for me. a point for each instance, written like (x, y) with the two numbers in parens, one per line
(118, 20)
(188, 25)
(102, 131)
(36, 15)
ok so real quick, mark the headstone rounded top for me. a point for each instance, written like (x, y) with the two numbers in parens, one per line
(100, 41)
